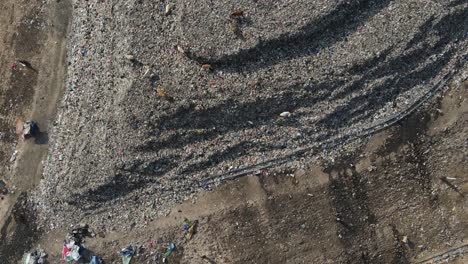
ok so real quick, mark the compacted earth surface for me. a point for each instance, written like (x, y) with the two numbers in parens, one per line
(293, 131)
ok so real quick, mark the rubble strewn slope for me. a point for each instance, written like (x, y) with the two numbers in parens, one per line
(156, 103)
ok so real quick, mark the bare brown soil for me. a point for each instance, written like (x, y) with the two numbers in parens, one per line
(385, 203)
(35, 33)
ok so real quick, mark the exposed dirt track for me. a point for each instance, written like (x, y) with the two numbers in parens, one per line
(34, 33)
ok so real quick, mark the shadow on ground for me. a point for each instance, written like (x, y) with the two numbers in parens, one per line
(421, 61)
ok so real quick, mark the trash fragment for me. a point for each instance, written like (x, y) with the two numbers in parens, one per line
(180, 49)
(160, 91)
(71, 251)
(95, 260)
(129, 57)
(187, 224)
(171, 248)
(238, 13)
(13, 156)
(126, 259)
(26, 64)
(127, 253)
(75, 253)
(84, 51)
(35, 257)
(451, 186)
(206, 67)
(405, 239)
(192, 230)
(190, 227)
(168, 9)
(285, 114)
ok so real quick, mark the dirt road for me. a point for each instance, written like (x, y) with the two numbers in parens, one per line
(36, 33)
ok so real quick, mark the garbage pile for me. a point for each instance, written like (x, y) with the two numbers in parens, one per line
(74, 248)
(35, 257)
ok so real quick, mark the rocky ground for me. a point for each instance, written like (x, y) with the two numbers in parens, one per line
(348, 117)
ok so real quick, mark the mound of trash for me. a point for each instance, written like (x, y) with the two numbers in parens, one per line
(196, 92)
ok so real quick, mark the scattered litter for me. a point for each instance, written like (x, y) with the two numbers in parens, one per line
(285, 114)
(36, 257)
